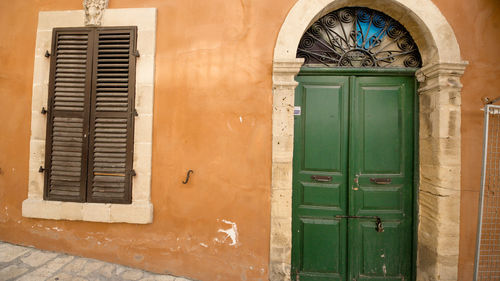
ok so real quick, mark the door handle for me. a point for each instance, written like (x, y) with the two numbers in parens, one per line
(381, 180)
(378, 221)
(319, 178)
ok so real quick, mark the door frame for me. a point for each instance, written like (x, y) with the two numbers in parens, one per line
(393, 72)
(438, 229)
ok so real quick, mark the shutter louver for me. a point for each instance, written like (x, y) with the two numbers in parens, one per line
(69, 85)
(111, 119)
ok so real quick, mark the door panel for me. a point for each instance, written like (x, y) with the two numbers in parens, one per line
(319, 251)
(381, 149)
(322, 124)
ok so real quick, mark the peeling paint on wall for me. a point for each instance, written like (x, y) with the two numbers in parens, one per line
(230, 233)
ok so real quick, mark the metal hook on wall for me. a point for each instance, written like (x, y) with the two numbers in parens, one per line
(187, 176)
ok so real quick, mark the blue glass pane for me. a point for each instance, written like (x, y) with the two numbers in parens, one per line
(369, 36)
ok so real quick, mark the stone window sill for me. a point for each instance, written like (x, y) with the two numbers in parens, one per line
(137, 212)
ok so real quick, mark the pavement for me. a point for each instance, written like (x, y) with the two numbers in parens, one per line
(30, 264)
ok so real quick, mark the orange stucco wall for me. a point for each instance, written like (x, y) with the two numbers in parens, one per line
(477, 28)
(212, 114)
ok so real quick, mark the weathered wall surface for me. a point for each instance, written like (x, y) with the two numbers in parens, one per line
(477, 28)
(212, 114)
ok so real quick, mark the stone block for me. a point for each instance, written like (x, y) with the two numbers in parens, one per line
(75, 266)
(282, 144)
(141, 187)
(39, 98)
(138, 212)
(143, 131)
(281, 196)
(282, 97)
(38, 208)
(49, 269)
(37, 154)
(440, 152)
(50, 19)
(43, 43)
(132, 275)
(144, 98)
(106, 270)
(146, 42)
(281, 210)
(41, 70)
(145, 72)
(142, 157)
(35, 185)
(282, 175)
(89, 267)
(38, 126)
(38, 258)
(12, 271)
(9, 252)
(72, 210)
(96, 212)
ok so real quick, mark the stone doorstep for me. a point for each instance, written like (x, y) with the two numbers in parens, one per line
(28, 264)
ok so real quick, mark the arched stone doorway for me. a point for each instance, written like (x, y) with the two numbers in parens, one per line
(439, 132)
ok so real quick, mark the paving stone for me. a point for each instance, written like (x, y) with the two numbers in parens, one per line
(75, 266)
(159, 278)
(12, 271)
(132, 275)
(37, 258)
(10, 252)
(62, 276)
(47, 270)
(90, 267)
(106, 270)
(120, 269)
(29, 264)
(65, 277)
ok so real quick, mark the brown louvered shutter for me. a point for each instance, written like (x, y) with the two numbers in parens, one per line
(68, 113)
(112, 116)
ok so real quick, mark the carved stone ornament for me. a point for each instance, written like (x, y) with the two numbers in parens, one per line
(94, 10)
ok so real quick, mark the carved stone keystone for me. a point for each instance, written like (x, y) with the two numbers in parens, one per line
(93, 11)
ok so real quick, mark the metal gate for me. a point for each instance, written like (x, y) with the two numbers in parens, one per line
(487, 262)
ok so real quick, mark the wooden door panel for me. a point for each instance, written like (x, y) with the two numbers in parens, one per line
(322, 124)
(380, 128)
(381, 177)
(320, 194)
(380, 255)
(374, 199)
(322, 238)
(320, 149)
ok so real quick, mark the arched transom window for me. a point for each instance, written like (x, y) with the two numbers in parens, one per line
(358, 37)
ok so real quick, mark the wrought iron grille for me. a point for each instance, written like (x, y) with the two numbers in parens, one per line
(487, 265)
(358, 37)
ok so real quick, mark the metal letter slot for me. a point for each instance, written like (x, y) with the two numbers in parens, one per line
(319, 178)
(381, 180)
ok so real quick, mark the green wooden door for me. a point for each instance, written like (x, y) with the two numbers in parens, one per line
(353, 161)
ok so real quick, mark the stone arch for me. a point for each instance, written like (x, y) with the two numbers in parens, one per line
(439, 132)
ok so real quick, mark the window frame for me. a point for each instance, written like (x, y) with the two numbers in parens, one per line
(140, 211)
(89, 114)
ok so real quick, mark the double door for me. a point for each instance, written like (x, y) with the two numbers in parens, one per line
(353, 178)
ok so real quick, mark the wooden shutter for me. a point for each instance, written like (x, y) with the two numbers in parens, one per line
(112, 116)
(68, 113)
